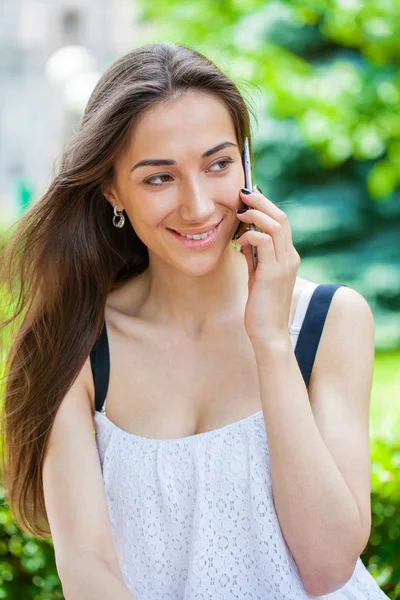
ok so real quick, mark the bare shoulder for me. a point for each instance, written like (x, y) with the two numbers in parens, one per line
(347, 301)
(347, 305)
(78, 400)
(347, 336)
(347, 341)
(349, 318)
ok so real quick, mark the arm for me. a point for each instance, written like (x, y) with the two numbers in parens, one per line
(75, 500)
(319, 443)
(90, 578)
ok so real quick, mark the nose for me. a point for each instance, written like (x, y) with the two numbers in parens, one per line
(195, 204)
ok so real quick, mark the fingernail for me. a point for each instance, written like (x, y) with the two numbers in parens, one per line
(246, 191)
(242, 210)
(258, 189)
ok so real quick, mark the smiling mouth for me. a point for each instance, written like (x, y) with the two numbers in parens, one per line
(197, 235)
(199, 241)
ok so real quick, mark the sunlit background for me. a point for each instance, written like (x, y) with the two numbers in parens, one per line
(324, 80)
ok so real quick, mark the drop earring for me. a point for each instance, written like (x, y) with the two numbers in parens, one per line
(118, 215)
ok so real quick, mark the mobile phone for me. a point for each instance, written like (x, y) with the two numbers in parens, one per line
(248, 184)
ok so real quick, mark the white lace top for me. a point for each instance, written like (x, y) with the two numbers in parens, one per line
(193, 518)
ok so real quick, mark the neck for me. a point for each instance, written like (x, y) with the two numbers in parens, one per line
(193, 304)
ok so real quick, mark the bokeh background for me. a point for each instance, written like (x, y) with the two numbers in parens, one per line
(324, 81)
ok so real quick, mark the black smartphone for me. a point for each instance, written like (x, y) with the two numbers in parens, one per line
(248, 184)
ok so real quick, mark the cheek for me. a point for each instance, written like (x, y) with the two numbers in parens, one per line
(230, 190)
(147, 215)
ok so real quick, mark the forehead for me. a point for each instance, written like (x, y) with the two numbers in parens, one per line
(191, 123)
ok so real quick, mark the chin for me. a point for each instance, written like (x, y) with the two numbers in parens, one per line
(197, 265)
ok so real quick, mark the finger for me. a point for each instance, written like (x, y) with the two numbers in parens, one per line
(248, 254)
(264, 244)
(268, 225)
(257, 200)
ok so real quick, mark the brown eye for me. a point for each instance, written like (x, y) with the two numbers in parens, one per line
(149, 181)
(224, 161)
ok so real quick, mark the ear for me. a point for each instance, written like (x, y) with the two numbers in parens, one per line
(109, 193)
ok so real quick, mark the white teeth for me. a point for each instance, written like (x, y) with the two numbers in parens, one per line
(197, 236)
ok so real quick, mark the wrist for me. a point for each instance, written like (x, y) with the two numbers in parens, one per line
(272, 345)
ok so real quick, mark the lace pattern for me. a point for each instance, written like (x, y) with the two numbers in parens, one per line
(194, 517)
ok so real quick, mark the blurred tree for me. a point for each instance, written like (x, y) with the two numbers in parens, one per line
(323, 77)
(27, 566)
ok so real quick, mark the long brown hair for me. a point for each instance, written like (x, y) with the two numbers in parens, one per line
(66, 256)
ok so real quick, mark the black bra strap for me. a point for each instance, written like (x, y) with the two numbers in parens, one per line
(312, 327)
(100, 363)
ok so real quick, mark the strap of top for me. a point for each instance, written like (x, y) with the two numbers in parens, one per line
(301, 309)
(308, 324)
(100, 363)
(311, 330)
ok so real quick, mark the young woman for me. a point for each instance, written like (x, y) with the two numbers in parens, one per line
(232, 459)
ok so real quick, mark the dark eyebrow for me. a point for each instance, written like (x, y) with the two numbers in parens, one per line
(159, 162)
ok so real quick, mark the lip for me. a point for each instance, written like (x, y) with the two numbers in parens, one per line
(198, 231)
(198, 244)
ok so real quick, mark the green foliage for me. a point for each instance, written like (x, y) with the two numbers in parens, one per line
(326, 64)
(382, 555)
(27, 566)
(324, 79)
(385, 409)
(290, 49)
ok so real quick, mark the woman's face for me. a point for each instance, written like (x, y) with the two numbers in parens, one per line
(194, 185)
